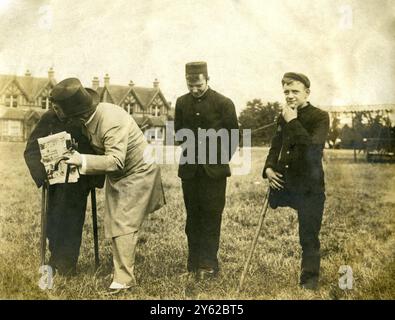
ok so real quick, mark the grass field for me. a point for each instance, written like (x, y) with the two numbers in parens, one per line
(358, 230)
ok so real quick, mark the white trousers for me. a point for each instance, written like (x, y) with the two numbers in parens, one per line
(124, 252)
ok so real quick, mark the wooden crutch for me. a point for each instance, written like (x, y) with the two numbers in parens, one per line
(258, 231)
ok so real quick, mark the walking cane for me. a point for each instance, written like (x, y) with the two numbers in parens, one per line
(258, 231)
(94, 223)
(44, 211)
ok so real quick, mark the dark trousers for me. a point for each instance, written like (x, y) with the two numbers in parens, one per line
(204, 200)
(65, 220)
(310, 210)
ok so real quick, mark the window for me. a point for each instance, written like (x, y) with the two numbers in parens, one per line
(4, 127)
(159, 133)
(128, 107)
(137, 108)
(150, 134)
(45, 104)
(11, 100)
(156, 111)
(12, 128)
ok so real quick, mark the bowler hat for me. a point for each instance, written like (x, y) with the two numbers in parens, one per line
(196, 68)
(298, 77)
(73, 98)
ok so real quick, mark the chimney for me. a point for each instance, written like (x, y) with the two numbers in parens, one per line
(106, 80)
(28, 73)
(95, 83)
(131, 83)
(51, 74)
(156, 83)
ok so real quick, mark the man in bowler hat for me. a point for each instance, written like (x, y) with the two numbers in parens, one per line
(67, 202)
(204, 175)
(133, 185)
(294, 169)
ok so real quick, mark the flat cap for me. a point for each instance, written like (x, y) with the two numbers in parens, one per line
(296, 76)
(195, 68)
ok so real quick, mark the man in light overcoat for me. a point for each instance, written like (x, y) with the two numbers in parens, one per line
(133, 186)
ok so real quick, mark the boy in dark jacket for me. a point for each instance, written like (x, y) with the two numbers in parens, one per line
(294, 169)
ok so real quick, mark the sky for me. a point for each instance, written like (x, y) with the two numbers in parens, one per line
(345, 47)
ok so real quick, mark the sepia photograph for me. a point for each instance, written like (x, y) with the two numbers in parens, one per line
(212, 150)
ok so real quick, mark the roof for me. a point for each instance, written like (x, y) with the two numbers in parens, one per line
(5, 80)
(144, 96)
(12, 113)
(36, 113)
(149, 122)
(30, 86)
(116, 92)
(100, 90)
(141, 120)
(354, 108)
(157, 122)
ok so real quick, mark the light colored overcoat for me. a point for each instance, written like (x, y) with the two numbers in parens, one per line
(133, 185)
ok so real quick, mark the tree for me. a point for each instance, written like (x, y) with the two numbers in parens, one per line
(372, 125)
(258, 117)
(347, 137)
(334, 131)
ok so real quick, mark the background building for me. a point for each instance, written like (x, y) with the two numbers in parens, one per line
(23, 99)
(148, 106)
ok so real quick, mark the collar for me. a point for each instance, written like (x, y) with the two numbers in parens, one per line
(91, 117)
(93, 121)
(204, 95)
(305, 107)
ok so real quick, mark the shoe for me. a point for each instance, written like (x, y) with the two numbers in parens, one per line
(72, 272)
(118, 286)
(206, 273)
(63, 270)
(309, 280)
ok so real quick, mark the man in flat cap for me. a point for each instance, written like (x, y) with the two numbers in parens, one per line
(294, 169)
(204, 173)
(133, 185)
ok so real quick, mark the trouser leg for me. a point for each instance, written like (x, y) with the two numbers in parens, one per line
(65, 222)
(212, 204)
(193, 222)
(124, 252)
(310, 214)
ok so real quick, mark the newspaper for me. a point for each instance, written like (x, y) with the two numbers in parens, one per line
(52, 149)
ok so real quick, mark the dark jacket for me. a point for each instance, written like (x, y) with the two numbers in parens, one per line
(50, 124)
(297, 150)
(211, 111)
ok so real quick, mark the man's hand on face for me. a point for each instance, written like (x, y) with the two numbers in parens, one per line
(74, 158)
(275, 180)
(289, 113)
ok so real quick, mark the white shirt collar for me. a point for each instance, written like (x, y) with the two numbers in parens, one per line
(91, 117)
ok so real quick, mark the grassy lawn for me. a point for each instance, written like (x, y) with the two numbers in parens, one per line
(358, 230)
